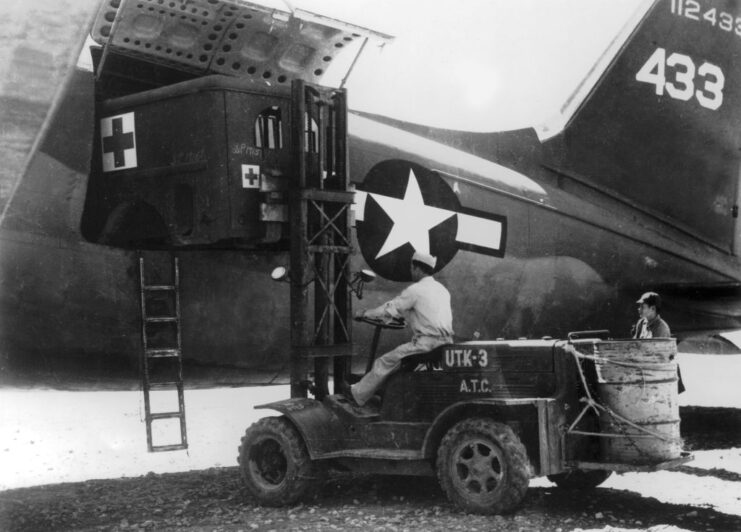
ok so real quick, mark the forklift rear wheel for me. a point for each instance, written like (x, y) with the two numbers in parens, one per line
(483, 466)
(579, 479)
(274, 463)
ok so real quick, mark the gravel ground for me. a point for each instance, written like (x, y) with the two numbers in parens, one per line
(704, 495)
(214, 500)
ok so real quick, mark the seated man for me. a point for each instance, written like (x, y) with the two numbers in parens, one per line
(425, 306)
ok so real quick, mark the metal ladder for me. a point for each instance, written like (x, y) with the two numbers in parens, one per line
(149, 293)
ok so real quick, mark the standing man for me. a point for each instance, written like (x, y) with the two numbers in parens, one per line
(425, 306)
(650, 325)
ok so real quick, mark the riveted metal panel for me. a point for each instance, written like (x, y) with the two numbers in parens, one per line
(226, 37)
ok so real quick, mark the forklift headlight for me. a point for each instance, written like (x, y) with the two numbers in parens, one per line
(279, 274)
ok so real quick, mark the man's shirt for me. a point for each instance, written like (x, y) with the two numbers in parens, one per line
(425, 306)
(656, 328)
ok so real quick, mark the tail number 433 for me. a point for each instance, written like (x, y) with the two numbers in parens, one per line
(705, 83)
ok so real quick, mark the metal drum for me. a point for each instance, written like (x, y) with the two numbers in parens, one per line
(637, 384)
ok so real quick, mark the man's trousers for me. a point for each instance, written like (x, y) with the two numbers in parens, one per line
(390, 362)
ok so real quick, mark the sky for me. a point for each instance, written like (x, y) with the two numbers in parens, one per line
(480, 65)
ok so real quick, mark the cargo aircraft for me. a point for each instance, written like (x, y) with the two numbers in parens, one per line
(178, 142)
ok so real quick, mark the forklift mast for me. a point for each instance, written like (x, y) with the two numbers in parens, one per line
(320, 247)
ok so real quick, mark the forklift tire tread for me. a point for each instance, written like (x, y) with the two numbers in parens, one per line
(483, 466)
(274, 463)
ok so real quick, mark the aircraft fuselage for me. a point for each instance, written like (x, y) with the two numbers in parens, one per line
(527, 245)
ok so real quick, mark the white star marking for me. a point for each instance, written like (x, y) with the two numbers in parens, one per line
(411, 217)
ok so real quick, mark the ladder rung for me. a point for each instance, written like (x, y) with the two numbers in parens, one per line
(162, 353)
(163, 384)
(153, 287)
(161, 319)
(176, 447)
(165, 415)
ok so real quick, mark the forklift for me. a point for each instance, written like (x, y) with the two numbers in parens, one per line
(482, 416)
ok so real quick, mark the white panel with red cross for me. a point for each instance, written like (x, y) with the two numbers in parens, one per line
(250, 176)
(118, 142)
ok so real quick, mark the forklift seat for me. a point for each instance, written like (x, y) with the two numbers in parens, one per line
(423, 361)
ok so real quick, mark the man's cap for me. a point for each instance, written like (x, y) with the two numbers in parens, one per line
(424, 258)
(650, 299)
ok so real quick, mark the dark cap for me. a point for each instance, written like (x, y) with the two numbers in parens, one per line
(652, 299)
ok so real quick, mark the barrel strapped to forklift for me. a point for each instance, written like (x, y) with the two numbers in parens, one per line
(635, 399)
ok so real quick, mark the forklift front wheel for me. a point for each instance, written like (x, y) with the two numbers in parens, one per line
(274, 463)
(483, 466)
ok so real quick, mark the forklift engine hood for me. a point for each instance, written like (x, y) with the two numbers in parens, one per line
(233, 38)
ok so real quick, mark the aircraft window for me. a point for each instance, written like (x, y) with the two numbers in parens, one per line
(269, 129)
(311, 135)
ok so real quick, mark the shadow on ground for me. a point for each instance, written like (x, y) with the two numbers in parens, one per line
(710, 427)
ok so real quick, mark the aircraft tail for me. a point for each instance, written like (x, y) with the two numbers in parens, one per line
(659, 129)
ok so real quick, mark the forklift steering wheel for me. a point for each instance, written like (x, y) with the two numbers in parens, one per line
(395, 323)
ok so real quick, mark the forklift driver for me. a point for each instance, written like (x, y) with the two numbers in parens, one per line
(425, 305)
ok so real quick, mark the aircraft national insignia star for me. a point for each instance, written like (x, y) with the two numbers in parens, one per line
(403, 207)
(412, 218)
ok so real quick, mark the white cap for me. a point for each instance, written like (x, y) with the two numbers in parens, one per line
(424, 258)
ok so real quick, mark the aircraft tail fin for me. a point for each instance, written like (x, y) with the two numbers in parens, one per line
(659, 127)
